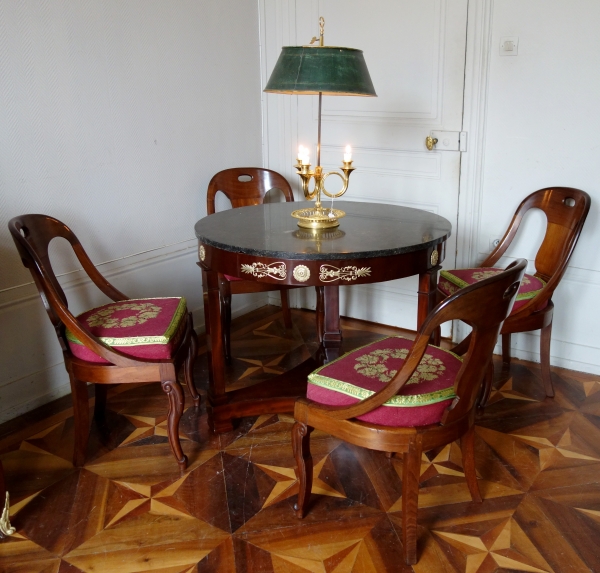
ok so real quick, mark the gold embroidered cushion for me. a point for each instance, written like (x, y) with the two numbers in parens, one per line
(452, 281)
(145, 328)
(362, 372)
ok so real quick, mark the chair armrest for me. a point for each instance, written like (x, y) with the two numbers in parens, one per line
(84, 336)
(97, 278)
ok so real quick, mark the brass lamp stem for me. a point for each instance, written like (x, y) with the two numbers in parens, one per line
(319, 128)
(321, 43)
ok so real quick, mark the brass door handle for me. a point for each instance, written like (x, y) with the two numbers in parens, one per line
(430, 142)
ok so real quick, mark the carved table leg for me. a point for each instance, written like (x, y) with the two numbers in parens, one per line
(214, 343)
(320, 312)
(189, 364)
(427, 297)
(332, 332)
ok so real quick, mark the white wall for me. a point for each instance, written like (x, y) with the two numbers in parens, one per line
(114, 115)
(542, 121)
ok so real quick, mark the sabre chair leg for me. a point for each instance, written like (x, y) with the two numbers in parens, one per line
(188, 368)
(285, 308)
(173, 390)
(410, 499)
(486, 386)
(545, 359)
(304, 466)
(506, 348)
(81, 418)
(467, 445)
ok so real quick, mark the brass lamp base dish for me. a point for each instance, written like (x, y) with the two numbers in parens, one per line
(318, 218)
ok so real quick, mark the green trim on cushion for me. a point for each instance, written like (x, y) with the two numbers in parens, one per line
(406, 401)
(177, 316)
(409, 401)
(462, 284)
(454, 279)
(141, 340)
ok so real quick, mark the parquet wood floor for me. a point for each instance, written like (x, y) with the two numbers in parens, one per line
(130, 510)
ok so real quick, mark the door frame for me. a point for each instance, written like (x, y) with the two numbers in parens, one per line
(470, 193)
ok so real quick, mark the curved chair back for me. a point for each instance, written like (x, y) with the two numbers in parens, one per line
(566, 209)
(245, 186)
(32, 235)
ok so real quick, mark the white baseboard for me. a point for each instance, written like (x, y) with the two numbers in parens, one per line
(526, 346)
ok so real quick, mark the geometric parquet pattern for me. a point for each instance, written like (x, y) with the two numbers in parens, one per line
(131, 510)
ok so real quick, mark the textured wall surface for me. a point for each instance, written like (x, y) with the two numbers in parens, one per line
(541, 116)
(113, 117)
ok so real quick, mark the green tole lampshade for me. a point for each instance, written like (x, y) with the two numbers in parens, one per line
(328, 70)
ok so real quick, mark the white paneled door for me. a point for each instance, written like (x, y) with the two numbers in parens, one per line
(415, 52)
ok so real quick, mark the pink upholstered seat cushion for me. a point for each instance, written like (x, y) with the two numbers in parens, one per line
(230, 278)
(451, 281)
(149, 328)
(362, 372)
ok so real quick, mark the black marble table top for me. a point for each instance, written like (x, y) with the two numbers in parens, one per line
(367, 230)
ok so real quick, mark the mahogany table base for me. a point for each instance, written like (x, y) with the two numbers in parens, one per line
(278, 394)
(375, 243)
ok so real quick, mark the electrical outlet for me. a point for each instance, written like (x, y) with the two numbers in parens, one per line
(509, 46)
(494, 243)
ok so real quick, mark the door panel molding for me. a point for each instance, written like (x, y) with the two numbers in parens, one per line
(399, 162)
(389, 106)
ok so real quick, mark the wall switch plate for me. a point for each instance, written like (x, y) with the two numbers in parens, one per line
(509, 46)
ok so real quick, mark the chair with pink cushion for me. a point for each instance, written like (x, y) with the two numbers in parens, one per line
(245, 186)
(566, 210)
(123, 342)
(400, 396)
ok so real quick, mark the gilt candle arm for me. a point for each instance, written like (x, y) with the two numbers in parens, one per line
(320, 218)
(347, 169)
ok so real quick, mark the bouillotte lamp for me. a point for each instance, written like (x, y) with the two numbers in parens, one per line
(318, 69)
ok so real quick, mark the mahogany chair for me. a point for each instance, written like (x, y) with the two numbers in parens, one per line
(566, 210)
(400, 396)
(245, 186)
(124, 342)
